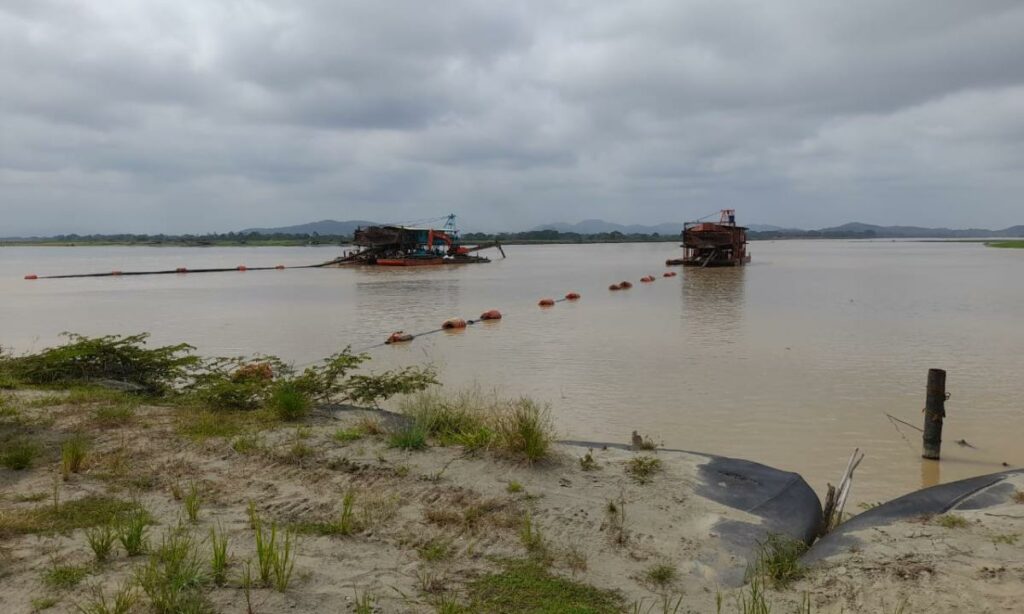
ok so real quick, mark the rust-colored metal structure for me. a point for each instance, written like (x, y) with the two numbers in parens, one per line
(707, 244)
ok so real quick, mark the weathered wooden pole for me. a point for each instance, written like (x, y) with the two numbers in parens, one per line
(934, 412)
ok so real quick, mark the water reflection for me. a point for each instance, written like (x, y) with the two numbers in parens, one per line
(713, 304)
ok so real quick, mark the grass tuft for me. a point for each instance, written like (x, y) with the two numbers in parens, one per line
(173, 578)
(643, 468)
(525, 431)
(661, 575)
(409, 437)
(289, 402)
(121, 603)
(219, 556)
(951, 521)
(193, 501)
(72, 455)
(18, 454)
(131, 532)
(101, 540)
(778, 561)
(65, 576)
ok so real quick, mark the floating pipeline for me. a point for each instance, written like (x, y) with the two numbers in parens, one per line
(176, 271)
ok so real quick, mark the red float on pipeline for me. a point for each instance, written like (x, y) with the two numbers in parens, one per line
(572, 296)
(647, 279)
(491, 314)
(453, 323)
(279, 267)
(242, 267)
(546, 302)
(399, 337)
(625, 285)
(181, 269)
(31, 276)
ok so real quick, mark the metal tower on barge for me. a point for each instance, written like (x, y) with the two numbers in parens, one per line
(707, 244)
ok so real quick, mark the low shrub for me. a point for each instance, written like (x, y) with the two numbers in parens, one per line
(643, 468)
(123, 358)
(288, 401)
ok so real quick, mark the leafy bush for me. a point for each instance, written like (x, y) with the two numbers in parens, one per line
(112, 357)
(371, 389)
(327, 381)
(288, 401)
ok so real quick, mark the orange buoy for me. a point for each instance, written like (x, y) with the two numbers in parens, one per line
(615, 287)
(546, 302)
(453, 323)
(492, 314)
(625, 285)
(115, 272)
(32, 276)
(242, 267)
(399, 337)
(181, 269)
(279, 267)
(572, 296)
(669, 274)
(647, 279)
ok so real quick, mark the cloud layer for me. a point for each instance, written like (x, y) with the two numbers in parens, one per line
(187, 116)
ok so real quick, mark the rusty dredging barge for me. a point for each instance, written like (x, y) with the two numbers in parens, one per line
(714, 244)
(402, 246)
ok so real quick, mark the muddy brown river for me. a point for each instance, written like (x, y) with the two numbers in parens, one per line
(792, 361)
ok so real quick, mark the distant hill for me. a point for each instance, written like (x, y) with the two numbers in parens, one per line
(592, 227)
(323, 227)
(912, 232)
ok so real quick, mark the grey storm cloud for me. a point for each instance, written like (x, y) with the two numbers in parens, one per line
(191, 116)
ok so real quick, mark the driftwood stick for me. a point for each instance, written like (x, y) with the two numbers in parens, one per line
(847, 482)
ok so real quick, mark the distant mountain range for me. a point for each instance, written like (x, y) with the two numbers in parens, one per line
(589, 227)
(323, 227)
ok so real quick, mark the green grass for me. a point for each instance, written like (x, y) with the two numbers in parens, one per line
(219, 555)
(436, 550)
(72, 455)
(18, 454)
(643, 468)
(101, 540)
(119, 414)
(778, 561)
(275, 554)
(528, 587)
(951, 521)
(525, 431)
(1006, 244)
(288, 402)
(514, 487)
(193, 500)
(90, 511)
(173, 577)
(43, 603)
(661, 575)
(587, 462)
(408, 437)
(65, 576)
(131, 532)
(200, 424)
(348, 435)
(122, 602)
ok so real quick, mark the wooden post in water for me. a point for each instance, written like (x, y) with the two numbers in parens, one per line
(934, 412)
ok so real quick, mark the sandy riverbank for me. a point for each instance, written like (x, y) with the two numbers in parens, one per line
(439, 529)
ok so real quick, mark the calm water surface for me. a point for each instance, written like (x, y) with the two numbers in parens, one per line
(792, 361)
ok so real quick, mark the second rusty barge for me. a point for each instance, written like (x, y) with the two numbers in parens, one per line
(707, 244)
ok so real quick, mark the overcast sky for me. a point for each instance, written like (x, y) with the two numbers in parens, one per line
(199, 115)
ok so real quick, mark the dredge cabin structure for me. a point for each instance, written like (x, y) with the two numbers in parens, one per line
(405, 246)
(711, 244)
